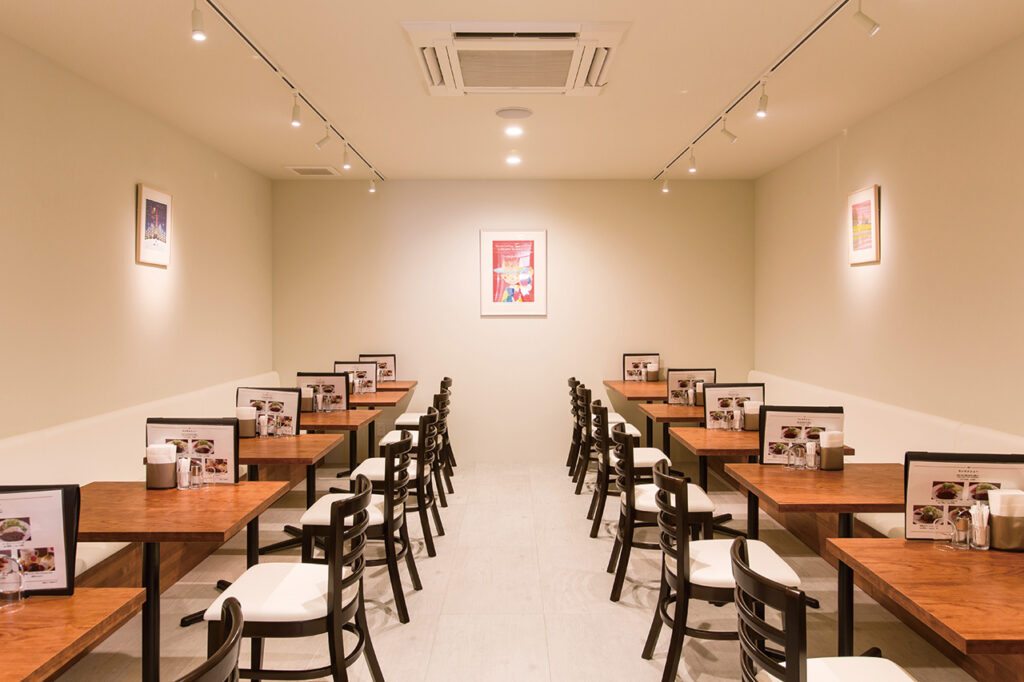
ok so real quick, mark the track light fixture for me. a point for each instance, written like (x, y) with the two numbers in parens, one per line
(198, 32)
(296, 112)
(693, 162)
(762, 104)
(869, 24)
(728, 134)
(345, 165)
(373, 185)
(322, 142)
(664, 185)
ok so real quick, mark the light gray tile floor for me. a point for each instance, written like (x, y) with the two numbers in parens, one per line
(517, 591)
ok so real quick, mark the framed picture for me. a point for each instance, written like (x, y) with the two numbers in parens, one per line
(331, 389)
(153, 223)
(786, 429)
(39, 531)
(513, 273)
(635, 364)
(362, 375)
(941, 485)
(213, 443)
(862, 214)
(282, 402)
(722, 401)
(681, 381)
(386, 365)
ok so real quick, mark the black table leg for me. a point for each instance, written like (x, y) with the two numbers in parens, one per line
(294, 531)
(753, 522)
(372, 434)
(650, 433)
(845, 592)
(702, 472)
(310, 485)
(665, 442)
(151, 612)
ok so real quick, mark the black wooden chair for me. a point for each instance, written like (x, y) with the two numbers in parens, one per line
(756, 592)
(387, 522)
(574, 444)
(222, 665)
(286, 600)
(644, 460)
(446, 457)
(638, 508)
(587, 452)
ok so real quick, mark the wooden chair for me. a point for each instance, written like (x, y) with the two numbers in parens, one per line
(638, 508)
(587, 452)
(287, 600)
(387, 522)
(446, 457)
(574, 444)
(644, 460)
(755, 592)
(222, 665)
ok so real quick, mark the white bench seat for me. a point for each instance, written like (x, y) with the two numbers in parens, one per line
(89, 555)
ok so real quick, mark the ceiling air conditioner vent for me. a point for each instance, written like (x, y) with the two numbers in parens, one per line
(559, 58)
(313, 171)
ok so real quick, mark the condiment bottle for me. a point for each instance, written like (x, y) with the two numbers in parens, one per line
(812, 455)
(831, 450)
(700, 393)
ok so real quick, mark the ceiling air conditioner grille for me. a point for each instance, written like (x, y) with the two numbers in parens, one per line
(314, 171)
(496, 58)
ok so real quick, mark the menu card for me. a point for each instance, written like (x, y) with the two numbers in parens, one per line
(39, 530)
(362, 375)
(788, 429)
(941, 484)
(282, 402)
(332, 386)
(722, 400)
(386, 365)
(681, 380)
(212, 442)
(634, 365)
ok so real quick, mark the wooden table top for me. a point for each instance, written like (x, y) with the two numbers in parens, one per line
(124, 511)
(973, 599)
(721, 442)
(864, 487)
(396, 385)
(376, 399)
(639, 390)
(665, 413)
(341, 420)
(51, 633)
(304, 449)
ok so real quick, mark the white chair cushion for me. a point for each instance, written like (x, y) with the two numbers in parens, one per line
(320, 513)
(848, 669)
(396, 435)
(280, 593)
(409, 420)
(698, 500)
(373, 469)
(643, 458)
(615, 418)
(711, 564)
(91, 554)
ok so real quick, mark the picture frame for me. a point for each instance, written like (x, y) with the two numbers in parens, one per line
(721, 399)
(362, 375)
(513, 273)
(337, 381)
(773, 442)
(282, 401)
(677, 381)
(632, 372)
(387, 365)
(201, 437)
(154, 225)
(50, 541)
(862, 229)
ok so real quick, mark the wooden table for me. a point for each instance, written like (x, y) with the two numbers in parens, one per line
(396, 385)
(664, 414)
(124, 511)
(868, 487)
(972, 599)
(49, 634)
(388, 398)
(646, 391)
(342, 420)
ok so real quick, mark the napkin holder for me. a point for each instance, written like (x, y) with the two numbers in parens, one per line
(1006, 521)
(160, 467)
(651, 372)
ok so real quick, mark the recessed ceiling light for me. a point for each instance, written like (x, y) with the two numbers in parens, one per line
(514, 130)
(513, 158)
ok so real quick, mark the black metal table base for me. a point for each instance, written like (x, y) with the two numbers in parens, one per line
(845, 611)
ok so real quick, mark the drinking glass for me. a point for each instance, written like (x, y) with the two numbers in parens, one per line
(11, 583)
(196, 474)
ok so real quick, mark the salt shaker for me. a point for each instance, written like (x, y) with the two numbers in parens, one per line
(183, 464)
(812, 455)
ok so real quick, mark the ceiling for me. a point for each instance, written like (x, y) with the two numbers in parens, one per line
(679, 65)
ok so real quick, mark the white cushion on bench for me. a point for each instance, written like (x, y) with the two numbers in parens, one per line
(890, 525)
(91, 554)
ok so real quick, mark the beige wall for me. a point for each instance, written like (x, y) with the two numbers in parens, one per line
(84, 330)
(937, 326)
(398, 272)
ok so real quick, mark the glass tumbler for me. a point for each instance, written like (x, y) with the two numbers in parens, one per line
(11, 583)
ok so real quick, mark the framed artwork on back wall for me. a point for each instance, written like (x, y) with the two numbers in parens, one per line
(862, 215)
(513, 273)
(153, 223)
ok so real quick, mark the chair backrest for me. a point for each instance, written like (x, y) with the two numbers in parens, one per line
(602, 437)
(222, 666)
(672, 498)
(428, 443)
(446, 383)
(346, 544)
(573, 384)
(584, 417)
(754, 592)
(396, 476)
(624, 470)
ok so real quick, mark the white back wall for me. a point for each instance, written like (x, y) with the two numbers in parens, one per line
(84, 329)
(937, 325)
(630, 268)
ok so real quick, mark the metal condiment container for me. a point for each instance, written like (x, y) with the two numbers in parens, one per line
(831, 450)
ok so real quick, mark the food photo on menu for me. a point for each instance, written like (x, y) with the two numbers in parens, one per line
(682, 381)
(787, 431)
(362, 375)
(330, 390)
(208, 443)
(385, 365)
(724, 403)
(280, 403)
